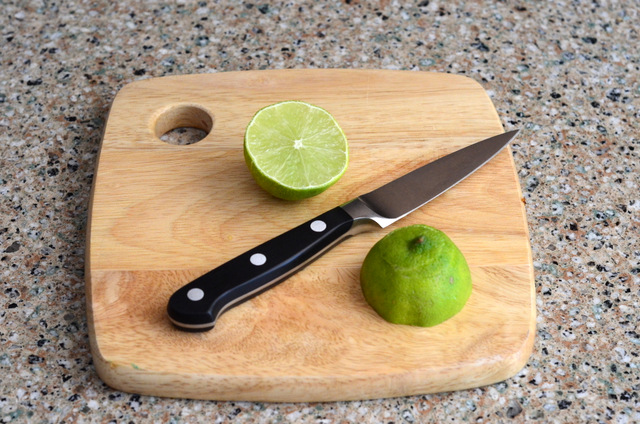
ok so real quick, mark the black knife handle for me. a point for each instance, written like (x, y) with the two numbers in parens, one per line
(197, 305)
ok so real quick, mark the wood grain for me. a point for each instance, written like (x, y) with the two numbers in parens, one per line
(163, 214)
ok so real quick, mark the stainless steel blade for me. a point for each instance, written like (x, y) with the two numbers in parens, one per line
(402, 196)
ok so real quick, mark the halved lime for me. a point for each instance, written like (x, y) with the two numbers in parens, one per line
(295, 150)
(416, 275)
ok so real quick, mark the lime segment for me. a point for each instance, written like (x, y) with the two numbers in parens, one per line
(295, 150)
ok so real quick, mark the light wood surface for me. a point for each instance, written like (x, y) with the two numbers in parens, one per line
(164, 214)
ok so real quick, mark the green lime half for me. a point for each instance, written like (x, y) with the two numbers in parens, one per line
(416, 275)
(295, 150)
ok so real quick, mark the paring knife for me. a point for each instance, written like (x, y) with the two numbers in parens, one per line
(197, 305)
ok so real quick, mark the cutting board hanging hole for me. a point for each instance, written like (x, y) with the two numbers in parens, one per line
(183, 124)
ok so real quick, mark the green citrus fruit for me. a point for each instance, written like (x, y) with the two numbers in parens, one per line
(416, 275)
(295, 150)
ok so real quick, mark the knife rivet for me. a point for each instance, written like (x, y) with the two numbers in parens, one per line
(195, 294)
(258, 259)
(318, 226)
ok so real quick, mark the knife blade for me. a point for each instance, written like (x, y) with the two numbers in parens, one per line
(197, 305)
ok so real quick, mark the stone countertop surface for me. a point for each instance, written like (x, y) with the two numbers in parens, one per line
(567, 73)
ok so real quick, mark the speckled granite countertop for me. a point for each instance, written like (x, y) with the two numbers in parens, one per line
(566, 72)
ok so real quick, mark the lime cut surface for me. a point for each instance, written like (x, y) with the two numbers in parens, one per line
(295, 150)
(417, 276)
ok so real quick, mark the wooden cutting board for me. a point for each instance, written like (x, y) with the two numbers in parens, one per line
(163, 214)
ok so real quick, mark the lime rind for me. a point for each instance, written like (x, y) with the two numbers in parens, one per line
(295, 150)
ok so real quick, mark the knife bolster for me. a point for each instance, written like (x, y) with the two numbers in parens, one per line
(364, 218)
